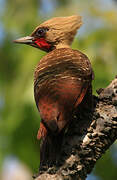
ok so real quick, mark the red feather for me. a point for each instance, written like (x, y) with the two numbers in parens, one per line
(42, 43)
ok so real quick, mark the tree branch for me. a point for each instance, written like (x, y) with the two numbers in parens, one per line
(84, 146)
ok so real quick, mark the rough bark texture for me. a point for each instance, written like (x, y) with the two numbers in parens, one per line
(84, 146)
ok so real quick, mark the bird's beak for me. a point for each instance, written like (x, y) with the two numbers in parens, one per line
(25, 40)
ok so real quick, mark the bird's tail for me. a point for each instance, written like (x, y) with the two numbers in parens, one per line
(50, 146)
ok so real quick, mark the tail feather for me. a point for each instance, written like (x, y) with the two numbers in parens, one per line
(50, 147)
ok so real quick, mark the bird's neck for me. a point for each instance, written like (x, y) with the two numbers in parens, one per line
(62, 45)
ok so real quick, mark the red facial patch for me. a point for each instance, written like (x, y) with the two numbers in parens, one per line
(41, 42)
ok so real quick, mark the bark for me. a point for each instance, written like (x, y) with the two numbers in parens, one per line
(87, 140)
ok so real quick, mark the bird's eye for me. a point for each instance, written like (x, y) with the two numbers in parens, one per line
(41, 32)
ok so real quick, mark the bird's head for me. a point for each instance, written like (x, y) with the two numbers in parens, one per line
(55, 33)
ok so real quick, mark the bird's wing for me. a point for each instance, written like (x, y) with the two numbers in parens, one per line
(61, 82)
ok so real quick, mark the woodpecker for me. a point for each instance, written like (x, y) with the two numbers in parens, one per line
(62, 80)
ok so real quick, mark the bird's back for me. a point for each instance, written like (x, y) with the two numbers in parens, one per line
(61, 80)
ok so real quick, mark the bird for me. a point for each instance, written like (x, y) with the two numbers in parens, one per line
(62, 81)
